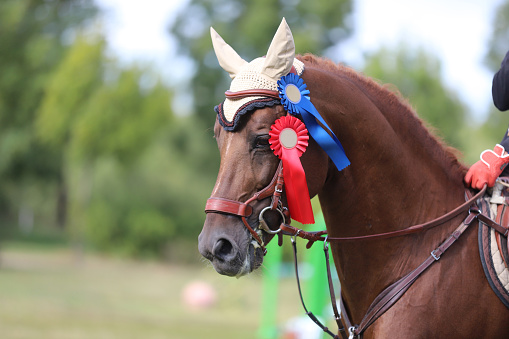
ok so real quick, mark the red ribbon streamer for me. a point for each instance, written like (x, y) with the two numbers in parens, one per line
(289, 140)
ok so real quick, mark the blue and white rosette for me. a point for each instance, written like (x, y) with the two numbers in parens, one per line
(295, 99)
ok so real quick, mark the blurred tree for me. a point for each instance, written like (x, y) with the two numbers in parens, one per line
(96, 139)
(34, 35)
(108, 122)
(495, 125)
(248, 26)
(498, 44)
(91, 108)
(416, 74)
(154, 205)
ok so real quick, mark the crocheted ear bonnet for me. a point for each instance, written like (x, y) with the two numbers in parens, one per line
(261, 73)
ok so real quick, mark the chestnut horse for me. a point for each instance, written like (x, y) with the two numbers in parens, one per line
(400, 175)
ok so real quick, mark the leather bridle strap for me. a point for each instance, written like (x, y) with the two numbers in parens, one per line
(392, 293)
(244, 209)
(319, 236)
(260, 92)
(227, 206)
(252, 93)
(308, 313)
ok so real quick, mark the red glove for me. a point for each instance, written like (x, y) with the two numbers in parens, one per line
(488, 169)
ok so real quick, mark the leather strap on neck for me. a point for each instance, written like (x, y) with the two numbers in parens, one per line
(319, 236)
(391, 294)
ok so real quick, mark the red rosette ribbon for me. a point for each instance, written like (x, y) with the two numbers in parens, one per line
(289, 140)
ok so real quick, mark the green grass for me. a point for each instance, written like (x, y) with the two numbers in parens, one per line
(54, 293)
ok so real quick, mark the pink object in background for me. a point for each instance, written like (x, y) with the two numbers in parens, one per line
(199, 295)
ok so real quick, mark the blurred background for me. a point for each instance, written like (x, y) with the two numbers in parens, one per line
(107, 155)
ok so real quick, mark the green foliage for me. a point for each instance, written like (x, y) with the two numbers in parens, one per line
(121, 118)
(75, 80)
(144, 208)
(107, 126)
(92, 144)
(497, 45)
(416, 74)
(32, 35)
(492, 131)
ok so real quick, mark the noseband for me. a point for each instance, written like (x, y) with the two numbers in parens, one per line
(244, 210)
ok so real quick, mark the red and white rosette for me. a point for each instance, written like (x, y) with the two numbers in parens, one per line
(289, 140)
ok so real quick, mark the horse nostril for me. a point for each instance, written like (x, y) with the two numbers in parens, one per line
(223, 250)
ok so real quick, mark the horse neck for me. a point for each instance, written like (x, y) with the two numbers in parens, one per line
(399, 176)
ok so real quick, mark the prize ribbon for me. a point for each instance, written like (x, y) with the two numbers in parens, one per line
(295, 99)
(289, 140)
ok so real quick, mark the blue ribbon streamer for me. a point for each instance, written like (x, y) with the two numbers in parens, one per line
(324, 136)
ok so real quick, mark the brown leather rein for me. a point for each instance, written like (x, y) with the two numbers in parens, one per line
(392, 293)
(386, 298)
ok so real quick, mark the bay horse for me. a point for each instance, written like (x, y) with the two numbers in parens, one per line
(400, 175)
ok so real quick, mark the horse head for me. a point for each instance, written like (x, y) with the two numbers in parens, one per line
(235, 232)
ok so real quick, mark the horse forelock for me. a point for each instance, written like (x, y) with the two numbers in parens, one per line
(390, 101)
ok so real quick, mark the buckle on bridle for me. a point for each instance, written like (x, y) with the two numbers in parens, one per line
(351, 332)
(434, 255)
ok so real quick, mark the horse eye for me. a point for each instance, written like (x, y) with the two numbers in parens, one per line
(262, 141)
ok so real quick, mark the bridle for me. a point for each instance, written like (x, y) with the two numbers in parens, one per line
(244, 209)
(274, 188)
(386, 298)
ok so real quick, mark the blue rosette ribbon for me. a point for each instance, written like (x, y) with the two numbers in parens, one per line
(295, 99)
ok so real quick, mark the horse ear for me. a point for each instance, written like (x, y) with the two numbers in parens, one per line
(281, 53)
(228, 59)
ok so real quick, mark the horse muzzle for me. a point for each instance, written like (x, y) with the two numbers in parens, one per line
(225, 243)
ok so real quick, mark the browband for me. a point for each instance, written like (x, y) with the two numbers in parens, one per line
(252, 93)
(256, 92)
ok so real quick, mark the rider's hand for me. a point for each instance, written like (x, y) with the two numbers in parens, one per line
(488, 169)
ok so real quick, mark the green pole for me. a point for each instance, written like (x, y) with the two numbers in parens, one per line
(316, 288)
(268, 318)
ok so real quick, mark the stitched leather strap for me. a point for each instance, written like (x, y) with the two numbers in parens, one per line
(318, 236)
(228, 206)
(252, 93)
(497, 227)
(392, 293)
(256, 92)
(308, 313)
(243, 209)
(337, 316)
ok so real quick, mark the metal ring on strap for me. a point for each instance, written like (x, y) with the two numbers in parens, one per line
(263, 225)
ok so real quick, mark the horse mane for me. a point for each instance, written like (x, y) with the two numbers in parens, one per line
(388, 96)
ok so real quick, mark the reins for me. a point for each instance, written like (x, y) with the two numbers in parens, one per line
(319, 236)
(391, 294)
(386, 298)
